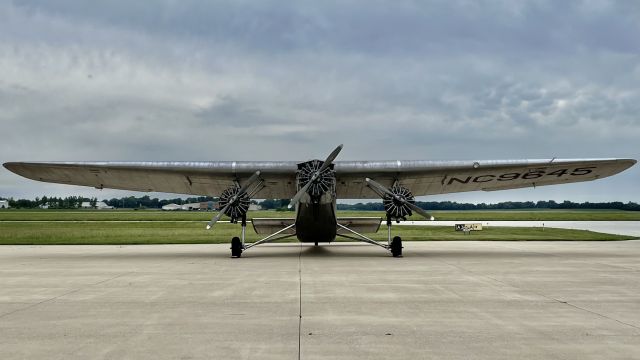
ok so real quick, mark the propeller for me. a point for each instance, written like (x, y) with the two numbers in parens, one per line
(242, 190)
(296, 198)
(381, 190)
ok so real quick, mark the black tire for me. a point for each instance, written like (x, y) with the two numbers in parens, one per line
(396, 246)
(236, 247)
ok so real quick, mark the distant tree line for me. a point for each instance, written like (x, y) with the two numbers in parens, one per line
(74, 202)
(130, 202)
(133, 202)
(69, 202)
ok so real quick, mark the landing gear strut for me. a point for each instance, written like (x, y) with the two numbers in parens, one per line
(395, 245)
(237, 245)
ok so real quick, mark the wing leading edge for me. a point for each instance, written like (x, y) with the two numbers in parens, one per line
(421, 177)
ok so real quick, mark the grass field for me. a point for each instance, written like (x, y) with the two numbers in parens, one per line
(154, 215)
(38, 227)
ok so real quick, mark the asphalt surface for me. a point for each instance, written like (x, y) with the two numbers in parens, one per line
(443, 300)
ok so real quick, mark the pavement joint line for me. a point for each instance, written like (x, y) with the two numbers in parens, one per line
(542, 295)
(65, 294)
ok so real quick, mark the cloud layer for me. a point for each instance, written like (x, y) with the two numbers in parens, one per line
(234, 80)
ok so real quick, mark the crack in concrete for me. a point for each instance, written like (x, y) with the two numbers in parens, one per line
(61, 295)
(541, 295)
(597, 313)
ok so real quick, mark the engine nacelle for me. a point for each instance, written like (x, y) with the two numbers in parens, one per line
(239, 207)
(395, 208)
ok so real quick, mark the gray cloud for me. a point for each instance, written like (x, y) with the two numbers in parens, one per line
(200, 80)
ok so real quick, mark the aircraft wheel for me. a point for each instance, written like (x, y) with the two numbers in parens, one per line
(236, 247)
(396, 247)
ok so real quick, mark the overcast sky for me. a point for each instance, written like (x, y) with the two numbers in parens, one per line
(289, 80)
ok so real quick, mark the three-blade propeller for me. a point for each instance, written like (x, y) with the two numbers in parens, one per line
(296, 198)
(242, 191)
(382, 190)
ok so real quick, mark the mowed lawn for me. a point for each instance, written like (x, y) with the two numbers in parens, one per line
(156, 227)
(156, 215)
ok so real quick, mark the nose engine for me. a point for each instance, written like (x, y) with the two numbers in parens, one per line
(323, 182)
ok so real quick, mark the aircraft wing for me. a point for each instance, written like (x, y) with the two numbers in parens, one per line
(194, 178)
(443, 177)
(421, 177)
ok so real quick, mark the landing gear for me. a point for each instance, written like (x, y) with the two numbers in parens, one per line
(236, 250)
(316, 243)
(236, 247)
(396, 247)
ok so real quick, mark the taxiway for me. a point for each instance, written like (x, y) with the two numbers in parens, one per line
(453, 300)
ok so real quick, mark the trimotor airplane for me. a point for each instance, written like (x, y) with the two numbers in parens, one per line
(314, 186)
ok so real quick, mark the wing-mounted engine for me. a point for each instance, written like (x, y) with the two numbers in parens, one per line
(317, 179)
(396, 202)
(234, 202)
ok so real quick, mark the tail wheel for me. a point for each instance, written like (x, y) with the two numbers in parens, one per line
(396, 247)
(236, 247)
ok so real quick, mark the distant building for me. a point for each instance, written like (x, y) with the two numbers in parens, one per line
(203, 206)
(192, 206)
(4, 204)
(100, 205)
(209, 205)
(171, 207)
(254, 207)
